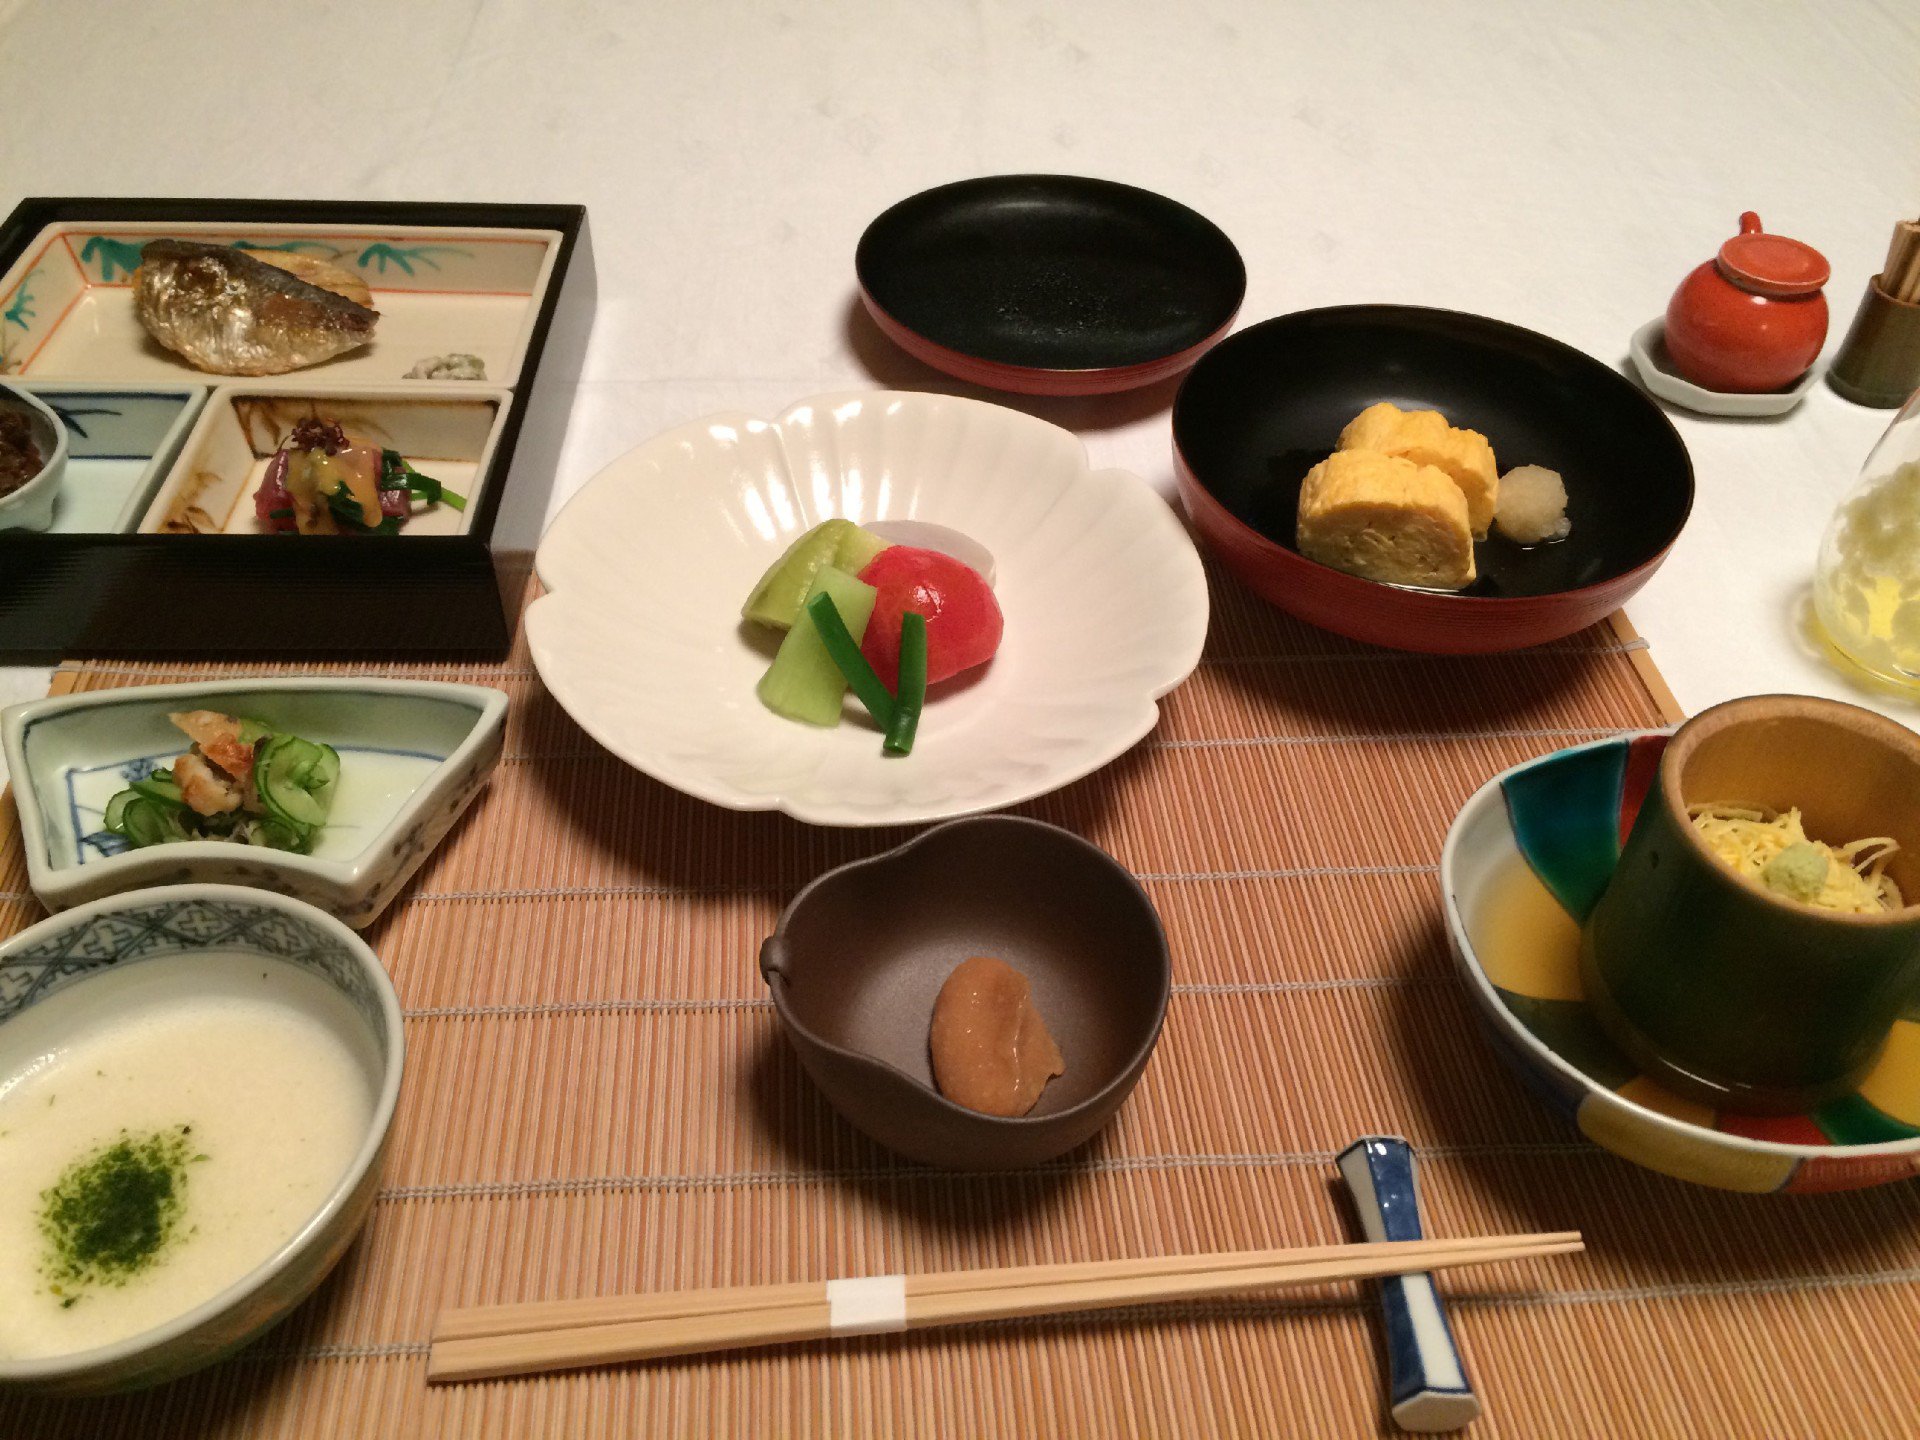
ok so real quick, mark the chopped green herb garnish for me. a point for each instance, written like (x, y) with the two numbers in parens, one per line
(112, 1212)
(397, 474)
(345, 507)
(342, 504)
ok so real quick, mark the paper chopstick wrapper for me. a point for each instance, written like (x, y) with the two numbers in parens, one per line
(871, 1305)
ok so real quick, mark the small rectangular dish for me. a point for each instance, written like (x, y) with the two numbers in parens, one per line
(120, 443)
(446, 431)
(413, 755)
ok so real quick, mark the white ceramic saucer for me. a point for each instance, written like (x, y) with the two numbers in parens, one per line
(1655, 366)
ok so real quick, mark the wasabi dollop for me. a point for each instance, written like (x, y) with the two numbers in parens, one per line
(1798, 872)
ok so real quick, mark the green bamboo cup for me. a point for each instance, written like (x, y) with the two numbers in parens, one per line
(1878, 364)
(1722, 989)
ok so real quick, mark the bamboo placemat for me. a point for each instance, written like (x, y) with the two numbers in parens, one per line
(598, 1099)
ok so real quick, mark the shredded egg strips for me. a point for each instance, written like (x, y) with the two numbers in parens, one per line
(1749, 841)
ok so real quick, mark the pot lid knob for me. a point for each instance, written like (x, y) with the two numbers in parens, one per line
(1771, 264)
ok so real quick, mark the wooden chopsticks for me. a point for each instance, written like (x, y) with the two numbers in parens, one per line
(1901, 277)
(490, 1341)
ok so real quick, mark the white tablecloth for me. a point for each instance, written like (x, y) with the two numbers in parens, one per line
(1557, 166)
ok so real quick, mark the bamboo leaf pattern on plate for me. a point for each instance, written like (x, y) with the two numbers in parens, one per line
(19, 313)
(404, 257)
(111, 255)
(331, 252)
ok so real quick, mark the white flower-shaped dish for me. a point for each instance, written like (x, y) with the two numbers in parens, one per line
(640, 637)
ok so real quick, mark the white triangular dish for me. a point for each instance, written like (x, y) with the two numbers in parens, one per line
(414, 754)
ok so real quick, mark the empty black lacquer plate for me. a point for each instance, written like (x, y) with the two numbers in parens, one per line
(1050, 284)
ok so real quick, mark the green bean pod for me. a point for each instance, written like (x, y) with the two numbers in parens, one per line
(913, 685)
(861, 677)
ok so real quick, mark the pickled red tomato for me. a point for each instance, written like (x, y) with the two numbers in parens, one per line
(963, 618)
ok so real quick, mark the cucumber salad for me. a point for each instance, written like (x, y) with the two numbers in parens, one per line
(239, 781)
(885, 620)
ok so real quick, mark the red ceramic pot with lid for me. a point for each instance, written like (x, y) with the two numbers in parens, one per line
(1753, 318)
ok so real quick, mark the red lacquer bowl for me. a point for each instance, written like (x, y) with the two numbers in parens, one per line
(1268, 403)
(1050, 284)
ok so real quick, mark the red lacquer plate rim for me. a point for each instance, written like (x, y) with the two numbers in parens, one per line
(1034, 379)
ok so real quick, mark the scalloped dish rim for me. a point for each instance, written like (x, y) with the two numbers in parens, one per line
(548, 608)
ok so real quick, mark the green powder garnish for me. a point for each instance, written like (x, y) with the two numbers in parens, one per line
(112, 1212)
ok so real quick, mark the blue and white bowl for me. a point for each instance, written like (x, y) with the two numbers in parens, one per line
(31, 506)
(185, 928)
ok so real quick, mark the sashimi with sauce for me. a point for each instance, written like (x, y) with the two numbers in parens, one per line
(322, 481)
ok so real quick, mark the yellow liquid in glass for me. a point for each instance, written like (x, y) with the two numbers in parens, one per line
(1867, 589)
(1867, 623)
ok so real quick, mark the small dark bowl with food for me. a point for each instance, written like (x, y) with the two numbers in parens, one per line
(981, 998)
(1426, 479)
(33, 460)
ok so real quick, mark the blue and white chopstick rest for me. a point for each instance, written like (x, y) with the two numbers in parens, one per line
(1428, 1383)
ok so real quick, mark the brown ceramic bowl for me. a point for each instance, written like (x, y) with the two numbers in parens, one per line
(860, 955)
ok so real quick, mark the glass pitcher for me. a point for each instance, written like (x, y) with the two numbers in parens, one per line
(1866, 587)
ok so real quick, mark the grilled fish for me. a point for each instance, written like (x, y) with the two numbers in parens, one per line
(231, 314)
(317, 272)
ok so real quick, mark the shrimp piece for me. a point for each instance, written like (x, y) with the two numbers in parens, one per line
(218, 737)
(205, 789)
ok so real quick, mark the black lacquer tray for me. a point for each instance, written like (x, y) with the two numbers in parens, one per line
(285, 597)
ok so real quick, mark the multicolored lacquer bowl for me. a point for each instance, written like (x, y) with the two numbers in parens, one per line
(1725, 990)
(1524, 864)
